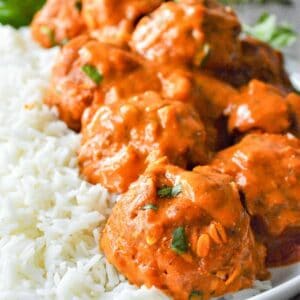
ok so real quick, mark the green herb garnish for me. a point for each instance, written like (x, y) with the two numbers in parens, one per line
(19, 13)
(196, 295)
(169, 191)
(179, 241)
(49, 33)
(150, 206)
(93, 73)
(267, 30)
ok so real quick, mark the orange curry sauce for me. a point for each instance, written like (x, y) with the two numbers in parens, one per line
(194, 125)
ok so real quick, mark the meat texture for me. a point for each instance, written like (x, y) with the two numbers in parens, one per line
(184, 232)
(58, 22)
(121, 139)
(266, 168)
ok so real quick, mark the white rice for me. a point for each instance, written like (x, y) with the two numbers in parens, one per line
(49, 216)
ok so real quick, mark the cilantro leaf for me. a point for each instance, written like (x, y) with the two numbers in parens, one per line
(179, 241)
(169, 191)
(93, 73)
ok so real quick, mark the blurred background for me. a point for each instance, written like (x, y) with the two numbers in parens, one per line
(286, 13)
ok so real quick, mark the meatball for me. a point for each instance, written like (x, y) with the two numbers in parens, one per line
(114, 20)
(88, 71)
(259, 106)
(122, 74)
(57, 22)
(207, 35)
(261, 61)
(209, 96)
(122, 138)
(188, 32)
(184, 232)
(266, 168)
(256, 60)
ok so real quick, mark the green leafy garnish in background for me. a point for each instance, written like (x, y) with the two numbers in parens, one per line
(267, 30)
(19, 12)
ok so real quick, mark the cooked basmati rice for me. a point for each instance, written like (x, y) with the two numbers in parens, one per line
(49, 216)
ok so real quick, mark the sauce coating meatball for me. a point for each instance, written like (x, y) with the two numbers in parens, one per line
(88, 70)
(124, 74)
(114, 20)
(266, 169)
(259, 106)
(185, 233)
(156, 88)
(122, 138)
(206, 35)
(186, 32)
(57, 22)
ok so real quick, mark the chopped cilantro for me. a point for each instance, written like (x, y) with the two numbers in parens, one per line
(179, 241)
(169, 191)
(93, 73)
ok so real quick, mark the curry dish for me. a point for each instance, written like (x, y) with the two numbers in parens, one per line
(194, 125)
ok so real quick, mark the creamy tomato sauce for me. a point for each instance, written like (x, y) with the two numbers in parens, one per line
(194, 125)
(213, 252)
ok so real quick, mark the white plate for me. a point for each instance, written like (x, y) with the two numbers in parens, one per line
(286, 284)
(294, 69)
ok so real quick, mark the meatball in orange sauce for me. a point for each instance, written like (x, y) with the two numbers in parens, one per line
(111, 21)
(157, 88)
(121, 139)
(188, 32)
(114, 20)
(90, 72)
(206, 35)
(87, 70)
(57, 22)
(185, 233)
(266, 169)
(259, 106)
